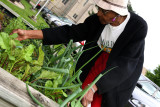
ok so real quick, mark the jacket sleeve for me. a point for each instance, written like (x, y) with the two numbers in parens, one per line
(126, 62)
(64, 34)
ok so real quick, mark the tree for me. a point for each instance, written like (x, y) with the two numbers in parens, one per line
(129, 6)
(91, 12)
(155, 76)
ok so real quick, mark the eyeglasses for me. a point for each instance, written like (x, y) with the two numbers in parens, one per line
(102, 10)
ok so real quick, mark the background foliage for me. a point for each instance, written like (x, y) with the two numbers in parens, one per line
(155, 76)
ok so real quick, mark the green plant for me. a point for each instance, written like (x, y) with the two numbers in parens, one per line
(26, 13)
(21, 64)
(34, 99)
(15, 23)
(91, 12)
(4, 19)
(33, 69)
(155, 75)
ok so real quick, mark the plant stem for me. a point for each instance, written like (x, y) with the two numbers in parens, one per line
(90, 48)
(69, 81)
(13, 65)
(82, 93)
(86, 90)
(70, 97)
(5, 61)
(1, 60)
(6, 65)
(17, 67)
(49, 88)
(34, 80)
(28, 76)
(34, 99)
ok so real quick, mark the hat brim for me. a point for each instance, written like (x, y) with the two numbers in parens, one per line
(106, 6)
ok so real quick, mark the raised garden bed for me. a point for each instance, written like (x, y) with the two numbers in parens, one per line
(48, 69)
(13, 93)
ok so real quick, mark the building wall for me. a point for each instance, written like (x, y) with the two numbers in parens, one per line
(79, 11)
(75, 10)
(144, 71)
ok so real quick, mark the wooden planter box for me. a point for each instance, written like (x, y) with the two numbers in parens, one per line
(13, 93)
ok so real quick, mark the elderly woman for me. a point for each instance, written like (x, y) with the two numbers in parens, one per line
(124, 35)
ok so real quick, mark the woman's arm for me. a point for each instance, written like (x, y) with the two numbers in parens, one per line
(28, 34)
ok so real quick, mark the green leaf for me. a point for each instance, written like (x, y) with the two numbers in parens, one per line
(60, 100)
(15, 23)
(78, 104)
(49, 83)
(48, 75)
(55, 84)
(11, 57)
(4, 41)
(34, 69)
(28, 52)
(57, 81)
(73, 103)
(64, 94)
(14, 35)
(40, 58)
(26, 71)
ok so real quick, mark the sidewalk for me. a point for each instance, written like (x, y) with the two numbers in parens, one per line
(32, 3)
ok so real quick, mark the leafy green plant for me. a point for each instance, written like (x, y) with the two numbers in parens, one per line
(15, 23)
(53, 72)
(59, 65)
(16, 58)
(4, 19)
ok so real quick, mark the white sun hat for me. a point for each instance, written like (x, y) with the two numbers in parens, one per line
(118, 6)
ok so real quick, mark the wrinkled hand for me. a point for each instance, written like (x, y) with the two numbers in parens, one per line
(88, 97)
(21, 34)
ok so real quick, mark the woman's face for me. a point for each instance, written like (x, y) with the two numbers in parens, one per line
(106, 16)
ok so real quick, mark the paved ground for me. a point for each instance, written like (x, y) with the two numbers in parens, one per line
(17, 4)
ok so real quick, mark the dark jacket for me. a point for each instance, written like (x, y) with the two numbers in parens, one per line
(127, 53)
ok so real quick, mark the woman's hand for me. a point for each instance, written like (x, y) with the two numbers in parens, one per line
(21, 34)
(88, 97)
(28, 34)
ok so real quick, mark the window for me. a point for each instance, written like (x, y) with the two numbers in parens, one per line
(75, 15)
(65, 2)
